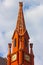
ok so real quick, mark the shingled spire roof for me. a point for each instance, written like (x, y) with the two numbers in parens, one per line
(20, 27)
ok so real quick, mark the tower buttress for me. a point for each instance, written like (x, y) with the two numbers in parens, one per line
(31, 54)
(9, 54)
(31, 48)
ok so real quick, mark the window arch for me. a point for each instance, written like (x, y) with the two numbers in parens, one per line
(14, 42)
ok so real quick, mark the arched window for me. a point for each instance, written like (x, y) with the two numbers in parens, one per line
(26, 45)
(15, 43)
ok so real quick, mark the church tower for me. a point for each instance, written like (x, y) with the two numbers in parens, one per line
(18, 50)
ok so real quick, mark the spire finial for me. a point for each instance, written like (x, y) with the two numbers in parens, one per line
(21, 4)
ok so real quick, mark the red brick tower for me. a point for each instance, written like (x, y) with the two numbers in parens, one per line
(18, 52)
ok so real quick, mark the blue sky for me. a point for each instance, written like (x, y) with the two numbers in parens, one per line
(33, 14)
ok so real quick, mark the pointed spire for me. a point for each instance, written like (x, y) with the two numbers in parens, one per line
(20, 27)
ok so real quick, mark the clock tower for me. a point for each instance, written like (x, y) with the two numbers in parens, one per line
(20, 51)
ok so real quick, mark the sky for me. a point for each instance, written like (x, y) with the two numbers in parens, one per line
(33, 14)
